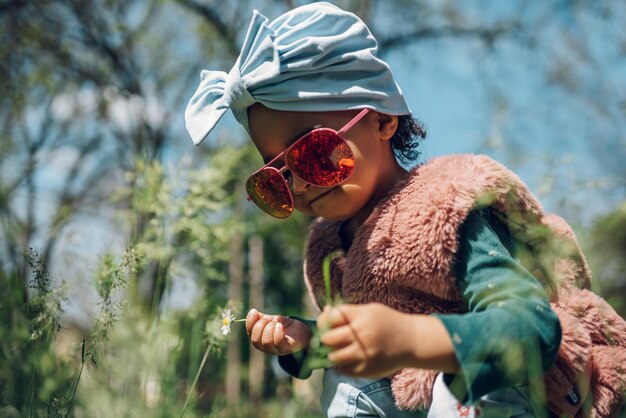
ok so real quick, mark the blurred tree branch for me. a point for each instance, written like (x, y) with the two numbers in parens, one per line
(486, 34)
(212, 15)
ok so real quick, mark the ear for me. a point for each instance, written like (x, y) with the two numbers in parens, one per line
(387, 126)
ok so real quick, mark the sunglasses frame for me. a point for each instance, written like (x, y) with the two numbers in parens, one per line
(283, 154)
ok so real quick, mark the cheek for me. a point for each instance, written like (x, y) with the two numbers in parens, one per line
(363, 178)
(366, 165)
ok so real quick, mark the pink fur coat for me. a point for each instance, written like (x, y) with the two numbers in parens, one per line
(403, 256)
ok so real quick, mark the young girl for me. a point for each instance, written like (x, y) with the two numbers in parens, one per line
(444, 272)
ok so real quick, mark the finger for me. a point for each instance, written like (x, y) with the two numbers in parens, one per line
(338, 337)
(251, 319)
(292, 325)
(257, 331)
(285, 320)
(331, 317)
(283, 343)
(350, 311)
(346, 356)
(267, 339)
(355, 370)
(301, 333)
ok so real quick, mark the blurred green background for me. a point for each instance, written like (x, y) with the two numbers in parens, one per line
(121, 243)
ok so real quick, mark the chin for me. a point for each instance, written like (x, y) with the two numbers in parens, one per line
(335, 217)
(334, 213)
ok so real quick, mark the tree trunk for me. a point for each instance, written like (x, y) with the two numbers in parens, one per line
(233, 368)
(256, 369)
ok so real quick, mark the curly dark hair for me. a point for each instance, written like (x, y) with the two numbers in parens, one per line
(409, 134)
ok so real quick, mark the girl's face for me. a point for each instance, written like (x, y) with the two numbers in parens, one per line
(375, 169)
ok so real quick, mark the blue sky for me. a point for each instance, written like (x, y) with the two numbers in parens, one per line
(506, 101)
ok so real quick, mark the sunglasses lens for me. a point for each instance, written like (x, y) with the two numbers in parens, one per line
(323, 158)
(269, 190)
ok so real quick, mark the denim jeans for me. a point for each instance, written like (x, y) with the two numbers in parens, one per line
(348, 397)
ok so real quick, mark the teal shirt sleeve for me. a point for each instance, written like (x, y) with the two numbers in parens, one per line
(510, 333)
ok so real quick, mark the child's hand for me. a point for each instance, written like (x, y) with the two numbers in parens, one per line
(276, 334)
(367, 340)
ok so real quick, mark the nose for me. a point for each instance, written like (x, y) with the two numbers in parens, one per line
(298, 186)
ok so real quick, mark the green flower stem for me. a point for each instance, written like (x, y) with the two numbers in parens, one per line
(317, 357)
(195, 380)
(326, 272)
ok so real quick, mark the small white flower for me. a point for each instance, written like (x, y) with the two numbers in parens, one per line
(227, 320)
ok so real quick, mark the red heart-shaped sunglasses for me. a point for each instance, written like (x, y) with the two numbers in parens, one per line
(320, 157)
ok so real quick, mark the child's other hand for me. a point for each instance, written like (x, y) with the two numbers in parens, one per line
(276, 334)
(369, 340)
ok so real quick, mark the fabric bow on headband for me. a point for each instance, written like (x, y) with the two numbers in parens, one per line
(313, 58)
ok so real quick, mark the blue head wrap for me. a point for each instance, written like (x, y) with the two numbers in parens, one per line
(313, 58)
